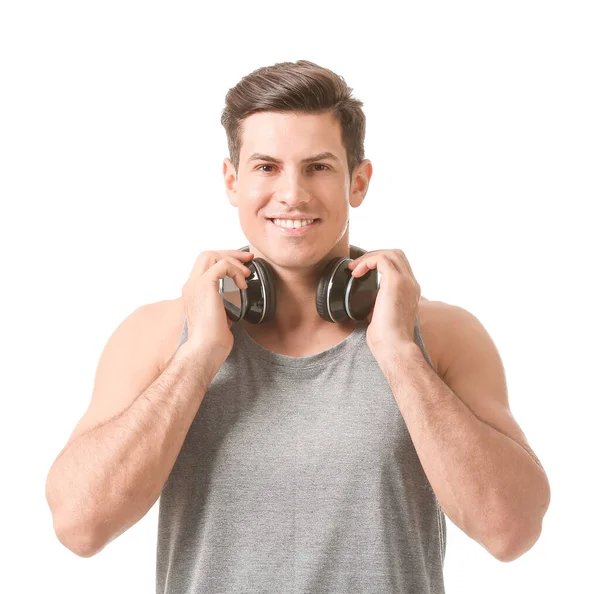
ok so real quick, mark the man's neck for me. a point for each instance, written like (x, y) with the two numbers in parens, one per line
(296, 316)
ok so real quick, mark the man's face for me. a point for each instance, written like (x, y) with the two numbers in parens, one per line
(279, 182)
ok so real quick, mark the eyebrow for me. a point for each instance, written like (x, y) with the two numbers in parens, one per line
(319, 157)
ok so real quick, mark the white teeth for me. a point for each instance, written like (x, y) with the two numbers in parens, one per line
(292, 224)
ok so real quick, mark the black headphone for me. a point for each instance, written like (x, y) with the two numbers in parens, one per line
(340, 296)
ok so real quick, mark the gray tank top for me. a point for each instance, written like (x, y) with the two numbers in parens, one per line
(299, 475)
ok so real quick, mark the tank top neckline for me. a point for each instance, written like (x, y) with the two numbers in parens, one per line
(306, 362)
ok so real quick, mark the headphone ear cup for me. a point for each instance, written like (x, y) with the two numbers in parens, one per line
(324, 290)
(266, 278)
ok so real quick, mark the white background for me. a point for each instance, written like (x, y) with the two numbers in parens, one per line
(483, 128)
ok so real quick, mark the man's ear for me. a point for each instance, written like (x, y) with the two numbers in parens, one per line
(230, 179)
(360, 184)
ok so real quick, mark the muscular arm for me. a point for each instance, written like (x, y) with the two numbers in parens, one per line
(476, 457)
(110, 476)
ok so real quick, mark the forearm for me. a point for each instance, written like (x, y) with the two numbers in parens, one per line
(110, 476)
(487, 484)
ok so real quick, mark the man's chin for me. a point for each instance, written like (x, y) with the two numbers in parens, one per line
(292, 260)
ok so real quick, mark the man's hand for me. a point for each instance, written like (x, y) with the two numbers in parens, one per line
(392, 319)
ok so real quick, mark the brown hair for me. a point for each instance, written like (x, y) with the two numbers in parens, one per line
(302, 87)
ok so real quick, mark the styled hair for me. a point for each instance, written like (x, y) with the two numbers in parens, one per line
(301, 87)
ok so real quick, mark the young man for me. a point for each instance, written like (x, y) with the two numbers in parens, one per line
(298, 454)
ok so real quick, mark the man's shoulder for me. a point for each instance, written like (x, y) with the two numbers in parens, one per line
(442, 325)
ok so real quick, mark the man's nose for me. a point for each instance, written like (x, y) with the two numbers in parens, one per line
(292, 189)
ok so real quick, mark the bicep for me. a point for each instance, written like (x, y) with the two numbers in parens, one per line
(475, 373)
(128, 364)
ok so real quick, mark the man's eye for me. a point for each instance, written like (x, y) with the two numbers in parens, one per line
(260, 167)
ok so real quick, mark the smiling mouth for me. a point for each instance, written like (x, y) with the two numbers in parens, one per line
(292, 226)
(302, 231)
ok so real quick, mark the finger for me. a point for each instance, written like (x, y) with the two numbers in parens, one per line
(244, 270)
(207, 258)
(361, 259)
(241, 255)
(363, 265)
(228, 267)
(381, 263)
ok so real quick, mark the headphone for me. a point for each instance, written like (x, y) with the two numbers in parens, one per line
(340, 296)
